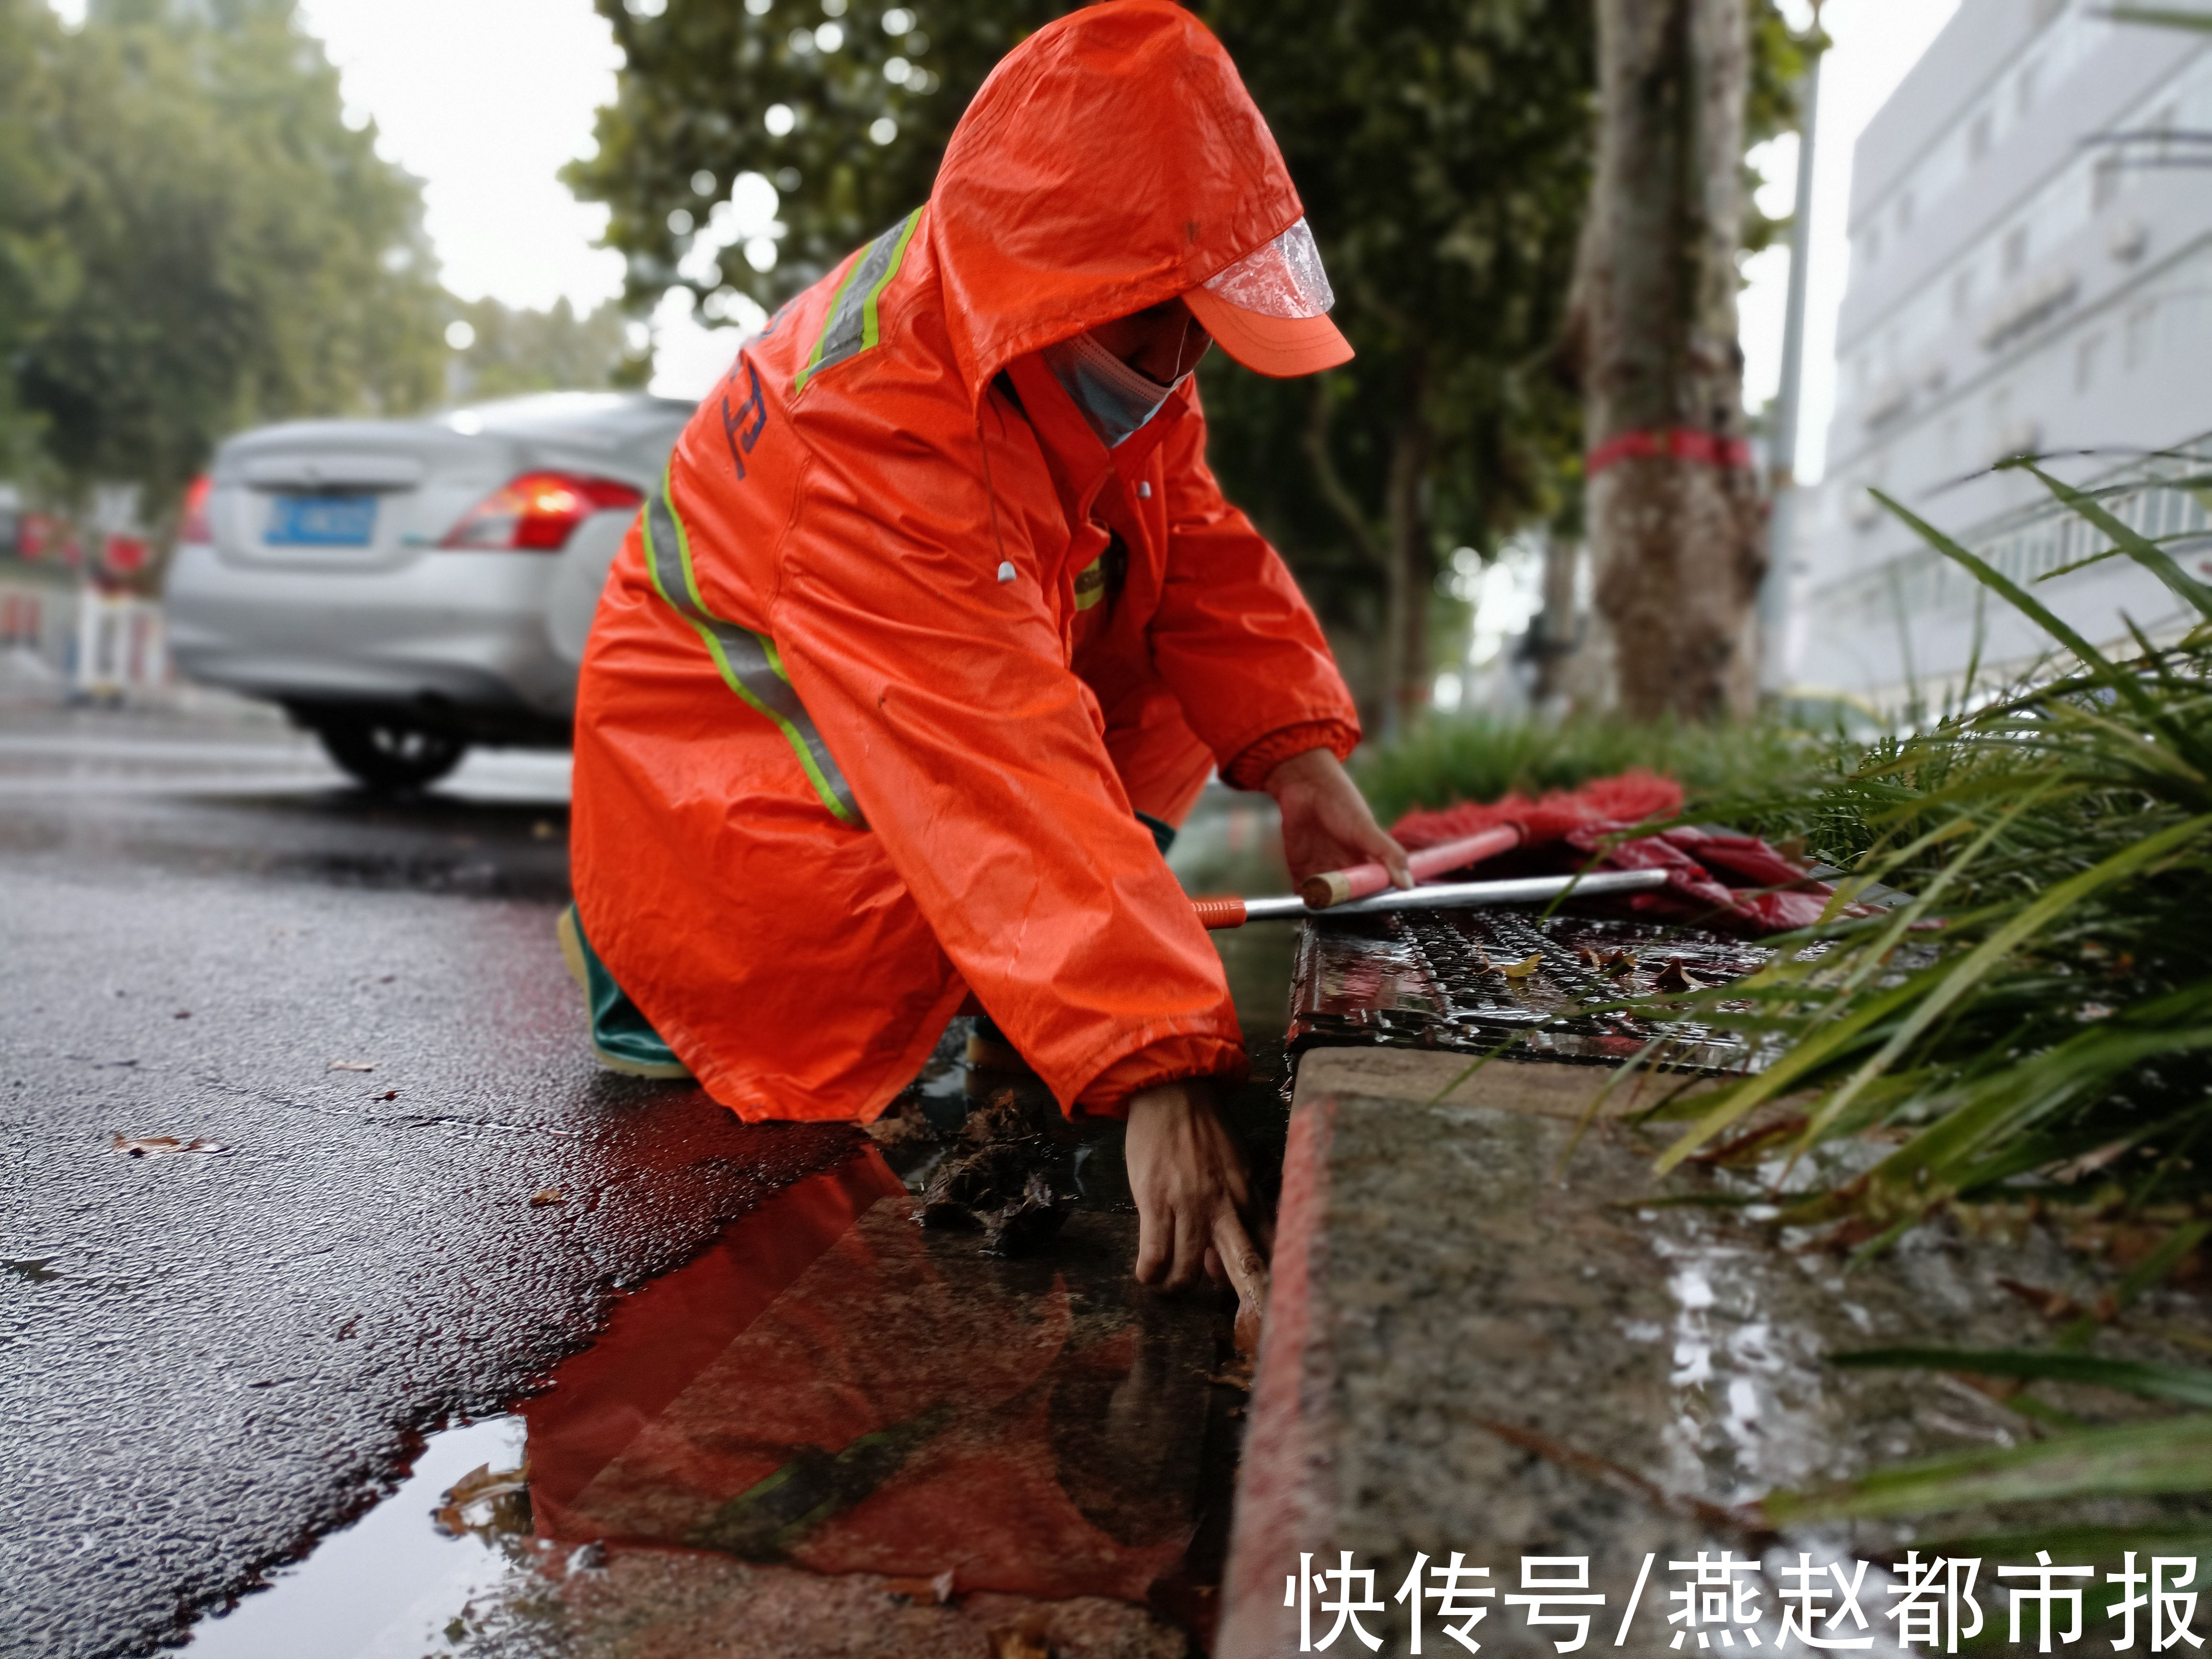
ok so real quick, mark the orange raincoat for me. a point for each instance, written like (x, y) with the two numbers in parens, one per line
(888, 667)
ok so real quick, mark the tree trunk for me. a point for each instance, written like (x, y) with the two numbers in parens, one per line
(1412, 563)
(1399, 551)
(1674, 507)
(1558, 627)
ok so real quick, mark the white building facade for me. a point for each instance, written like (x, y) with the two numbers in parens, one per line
(2031, 271)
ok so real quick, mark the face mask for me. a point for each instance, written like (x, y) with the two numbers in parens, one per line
(1114, 398)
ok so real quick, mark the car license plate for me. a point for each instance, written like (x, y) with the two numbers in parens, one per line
(321, 521)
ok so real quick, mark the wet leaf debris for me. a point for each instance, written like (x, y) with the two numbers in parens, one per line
(162, 1146)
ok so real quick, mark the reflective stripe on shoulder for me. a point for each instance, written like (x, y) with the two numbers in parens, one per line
(852, 325)
(749, 663)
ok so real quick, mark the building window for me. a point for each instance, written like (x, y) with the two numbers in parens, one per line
(2015, 251)
(1962, 294)
(2085, 362)
(1871, 244)
(1978, 137)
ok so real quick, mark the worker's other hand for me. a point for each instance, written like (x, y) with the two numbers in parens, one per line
(1326, 825)
(1187, 1174)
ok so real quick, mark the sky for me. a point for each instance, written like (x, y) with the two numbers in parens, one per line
(485, 100)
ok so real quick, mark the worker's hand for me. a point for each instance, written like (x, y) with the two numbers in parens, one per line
(1326, 825)
(1187, 1174)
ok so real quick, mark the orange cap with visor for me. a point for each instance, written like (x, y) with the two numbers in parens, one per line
(1270, 309)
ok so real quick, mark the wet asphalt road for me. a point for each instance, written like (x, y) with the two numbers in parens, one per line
(208, 1358)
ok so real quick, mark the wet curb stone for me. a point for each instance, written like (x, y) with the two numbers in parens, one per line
(1484, 1337)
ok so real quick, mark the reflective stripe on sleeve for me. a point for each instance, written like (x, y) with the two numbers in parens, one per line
(748, 661)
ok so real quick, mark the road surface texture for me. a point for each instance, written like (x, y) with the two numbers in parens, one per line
(378, 1184)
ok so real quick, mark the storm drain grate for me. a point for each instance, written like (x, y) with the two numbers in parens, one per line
(1438, 979)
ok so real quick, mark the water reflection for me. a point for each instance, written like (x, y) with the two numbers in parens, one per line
(835, 1388)
(833, 1403)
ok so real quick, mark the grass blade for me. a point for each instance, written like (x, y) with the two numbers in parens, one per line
(2182, 1384)
(2133, 1460)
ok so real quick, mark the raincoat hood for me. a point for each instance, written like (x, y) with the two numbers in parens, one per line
(1113, 160)
(900, 651)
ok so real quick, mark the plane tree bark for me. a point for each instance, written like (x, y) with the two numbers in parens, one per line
(1673, 508)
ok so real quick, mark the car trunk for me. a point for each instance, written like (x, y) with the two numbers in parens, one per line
(348, 496)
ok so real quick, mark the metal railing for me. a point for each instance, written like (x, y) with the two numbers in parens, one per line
(2162, 497)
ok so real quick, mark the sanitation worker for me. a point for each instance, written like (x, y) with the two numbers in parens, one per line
(938, 623)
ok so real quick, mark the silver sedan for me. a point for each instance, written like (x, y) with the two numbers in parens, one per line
(407, 588)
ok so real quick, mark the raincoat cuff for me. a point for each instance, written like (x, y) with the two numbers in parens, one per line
(1175, 1059)
(1251, 767)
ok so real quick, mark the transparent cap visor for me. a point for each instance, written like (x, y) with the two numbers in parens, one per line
(1281, 278)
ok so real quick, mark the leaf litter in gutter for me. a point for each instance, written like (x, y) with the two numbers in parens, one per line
(162, 1146)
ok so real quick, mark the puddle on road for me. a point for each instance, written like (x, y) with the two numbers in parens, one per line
(835, 1418)
(391, 1585)
(834, 1396)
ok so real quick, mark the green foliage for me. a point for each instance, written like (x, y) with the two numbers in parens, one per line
(2160, 1457)
(2170, 17)
(214, 247)
(1481, 758)
(1443, 152)
(2189, 1385)
(518, 350)
(36, 271)
(2047, 995)
(1779, 58)
(2126, 1460)
(1442, 148)
(693, 95)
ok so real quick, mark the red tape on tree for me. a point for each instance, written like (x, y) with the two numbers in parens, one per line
(1678, 443)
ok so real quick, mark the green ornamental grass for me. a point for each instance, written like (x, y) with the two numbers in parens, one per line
(2035, 1022)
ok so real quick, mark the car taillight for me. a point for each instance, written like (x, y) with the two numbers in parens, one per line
(537, 511)
(194, 525)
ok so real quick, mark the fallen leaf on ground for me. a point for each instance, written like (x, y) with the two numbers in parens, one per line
(352, 1065)
(1019, 1644)
(161, 1145)
(2051, 1304)
(1676, 977)
(938, 1589)
(550, 1195)
(1521, 970)
(478, 1484)
(389, 1093)
(182, 1013)
(1743, 1148)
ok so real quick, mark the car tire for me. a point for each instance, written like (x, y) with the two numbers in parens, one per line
(391, 756)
